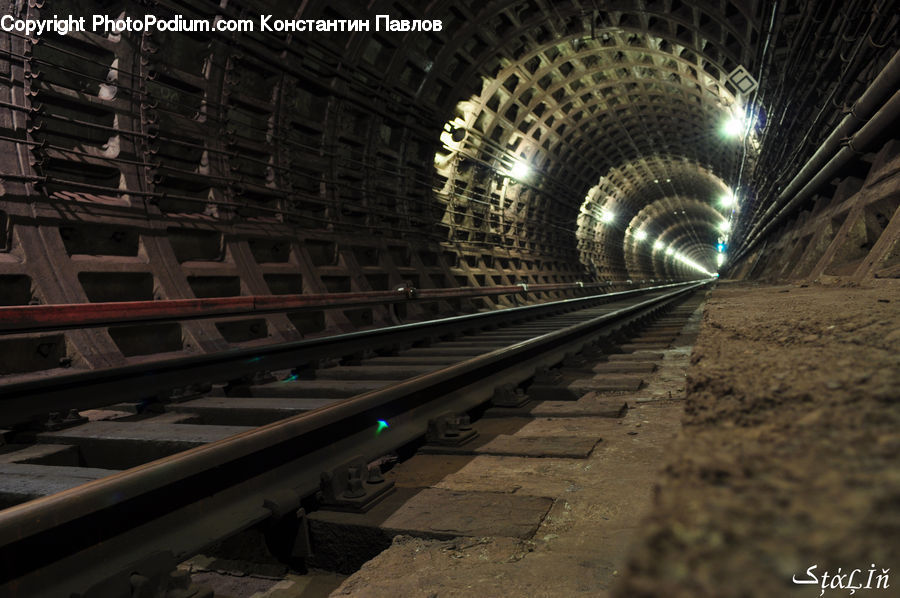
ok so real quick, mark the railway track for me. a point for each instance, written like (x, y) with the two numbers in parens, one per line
(145, 466)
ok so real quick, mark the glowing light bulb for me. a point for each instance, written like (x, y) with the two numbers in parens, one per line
(640, 235)
(736, 125)
(732, 127)
(519, 171)
(724, 226)
(607, 217)
(657, 244)
(727, 200)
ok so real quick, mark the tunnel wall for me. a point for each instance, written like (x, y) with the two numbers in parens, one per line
(849, 230)
(175, 166)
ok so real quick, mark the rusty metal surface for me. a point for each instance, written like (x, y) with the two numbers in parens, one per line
(38, 318)
(22, 400)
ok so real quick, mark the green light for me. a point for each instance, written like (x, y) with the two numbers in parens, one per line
(382, 425)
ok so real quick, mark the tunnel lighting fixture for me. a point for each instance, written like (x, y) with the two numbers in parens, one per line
(607, 216)
(724, 226)
(640, 235)
(720, 247)
(519, 170)
(657, 244)
(736, 125)
(727, 200)
(670, 251)
(733, 127)
(720, 259)
(690, 263)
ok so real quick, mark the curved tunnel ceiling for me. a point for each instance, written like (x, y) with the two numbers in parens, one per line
(582, 133)
(616, 114)
(686, 224)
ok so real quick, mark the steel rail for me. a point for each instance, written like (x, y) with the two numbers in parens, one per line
(20, 401)
(44, 318)
(89, 540)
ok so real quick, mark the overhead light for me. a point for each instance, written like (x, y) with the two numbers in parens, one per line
(736, 125)
(657, 244)
(692, 264)
(724, 226)
(640, 235)
(607, 216)
(727, 200)
(733, 127)
(520, 170)
(670, 251)
(720, 259)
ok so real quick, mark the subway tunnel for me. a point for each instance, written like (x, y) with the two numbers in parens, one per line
(524, 143)
(348, 147)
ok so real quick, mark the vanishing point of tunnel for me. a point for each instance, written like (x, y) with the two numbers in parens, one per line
(281, 149)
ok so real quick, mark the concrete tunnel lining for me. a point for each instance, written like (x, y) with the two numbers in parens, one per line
(527, 142)
(245, 164)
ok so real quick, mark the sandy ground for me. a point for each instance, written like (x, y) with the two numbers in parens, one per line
(790, 455)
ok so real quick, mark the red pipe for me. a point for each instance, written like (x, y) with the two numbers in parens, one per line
(32, 318)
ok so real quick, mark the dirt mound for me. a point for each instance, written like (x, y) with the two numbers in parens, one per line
(789, 453)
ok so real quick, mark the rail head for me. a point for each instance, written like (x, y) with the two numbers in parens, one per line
(20, 401)
(18, 319)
